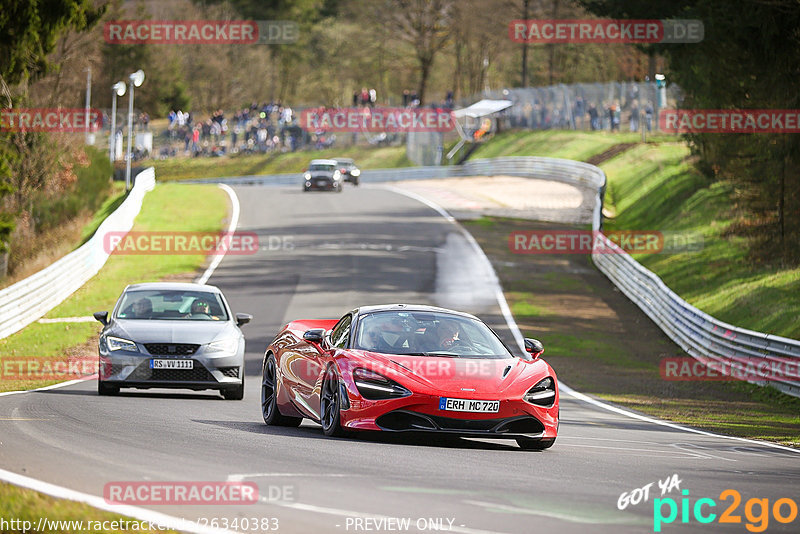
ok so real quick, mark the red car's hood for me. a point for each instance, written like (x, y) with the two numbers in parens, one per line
(467, 376)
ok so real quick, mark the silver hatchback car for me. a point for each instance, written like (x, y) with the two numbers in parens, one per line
(172, 335)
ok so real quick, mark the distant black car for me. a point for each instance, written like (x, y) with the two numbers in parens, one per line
(349, 170)
(322, 174)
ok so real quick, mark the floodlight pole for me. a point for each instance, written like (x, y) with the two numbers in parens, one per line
(118, 90)
(136, 80)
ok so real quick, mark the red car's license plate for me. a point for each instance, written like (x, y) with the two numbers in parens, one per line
(468, 405)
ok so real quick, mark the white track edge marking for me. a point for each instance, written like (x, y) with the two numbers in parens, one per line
(231, 228)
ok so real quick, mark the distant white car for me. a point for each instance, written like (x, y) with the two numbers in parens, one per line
(322, 175)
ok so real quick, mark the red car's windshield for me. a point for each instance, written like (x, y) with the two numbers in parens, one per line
(428, 334)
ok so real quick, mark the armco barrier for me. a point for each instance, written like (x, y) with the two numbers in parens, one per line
(700, 335)
(31, 298)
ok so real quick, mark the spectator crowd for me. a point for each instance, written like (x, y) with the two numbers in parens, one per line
(258, 128)
(262, 127)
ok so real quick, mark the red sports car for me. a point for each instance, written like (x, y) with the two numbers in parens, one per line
(409, 368)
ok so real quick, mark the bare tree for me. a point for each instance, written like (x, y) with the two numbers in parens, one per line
(426, 26)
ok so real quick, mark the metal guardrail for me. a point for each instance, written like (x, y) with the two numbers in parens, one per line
(709, 340)
(700, 335)
(31, 298)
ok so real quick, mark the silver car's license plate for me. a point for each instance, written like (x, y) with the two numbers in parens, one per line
(171, 364)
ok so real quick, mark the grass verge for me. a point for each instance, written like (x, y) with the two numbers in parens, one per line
(21, 505)
(601, 343)
(169, 207)
(580, 145)
(655, 187)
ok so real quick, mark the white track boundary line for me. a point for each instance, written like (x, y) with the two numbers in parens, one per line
(141, 514)
(231, 228)
(512, 325)
(83, 319)
(54, 386)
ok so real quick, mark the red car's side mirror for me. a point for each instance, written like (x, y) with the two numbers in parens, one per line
(315, 335)
(534, 347)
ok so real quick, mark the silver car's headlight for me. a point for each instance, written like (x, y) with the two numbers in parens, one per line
(224, 345)
(307, 176)
(337, 175)
(355, 172)
(118, 343)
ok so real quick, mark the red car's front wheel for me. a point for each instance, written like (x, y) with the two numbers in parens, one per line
(330, 405)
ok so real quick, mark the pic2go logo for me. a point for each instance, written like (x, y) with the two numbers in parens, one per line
(756, 511)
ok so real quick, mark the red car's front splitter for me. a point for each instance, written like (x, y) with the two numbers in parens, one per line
(421, 413)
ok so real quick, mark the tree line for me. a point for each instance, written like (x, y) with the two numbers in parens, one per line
(748, 59)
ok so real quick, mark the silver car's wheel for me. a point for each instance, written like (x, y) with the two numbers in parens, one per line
(105, 389)
(269, 405)
(234, 393)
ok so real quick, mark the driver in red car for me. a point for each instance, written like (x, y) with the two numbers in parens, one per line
(448, 334)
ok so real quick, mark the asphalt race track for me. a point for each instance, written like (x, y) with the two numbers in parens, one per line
(322, 254)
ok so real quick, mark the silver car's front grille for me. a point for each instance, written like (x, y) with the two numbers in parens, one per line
(230, 372)
(171, 349)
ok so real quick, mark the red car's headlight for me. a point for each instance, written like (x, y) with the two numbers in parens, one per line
(543, 393)
(374, 386)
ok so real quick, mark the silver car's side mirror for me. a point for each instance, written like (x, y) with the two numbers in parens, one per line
(243, 318)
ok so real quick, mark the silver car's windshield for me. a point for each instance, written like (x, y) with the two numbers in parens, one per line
(428, 334)
(320, 167)
(173, 304)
